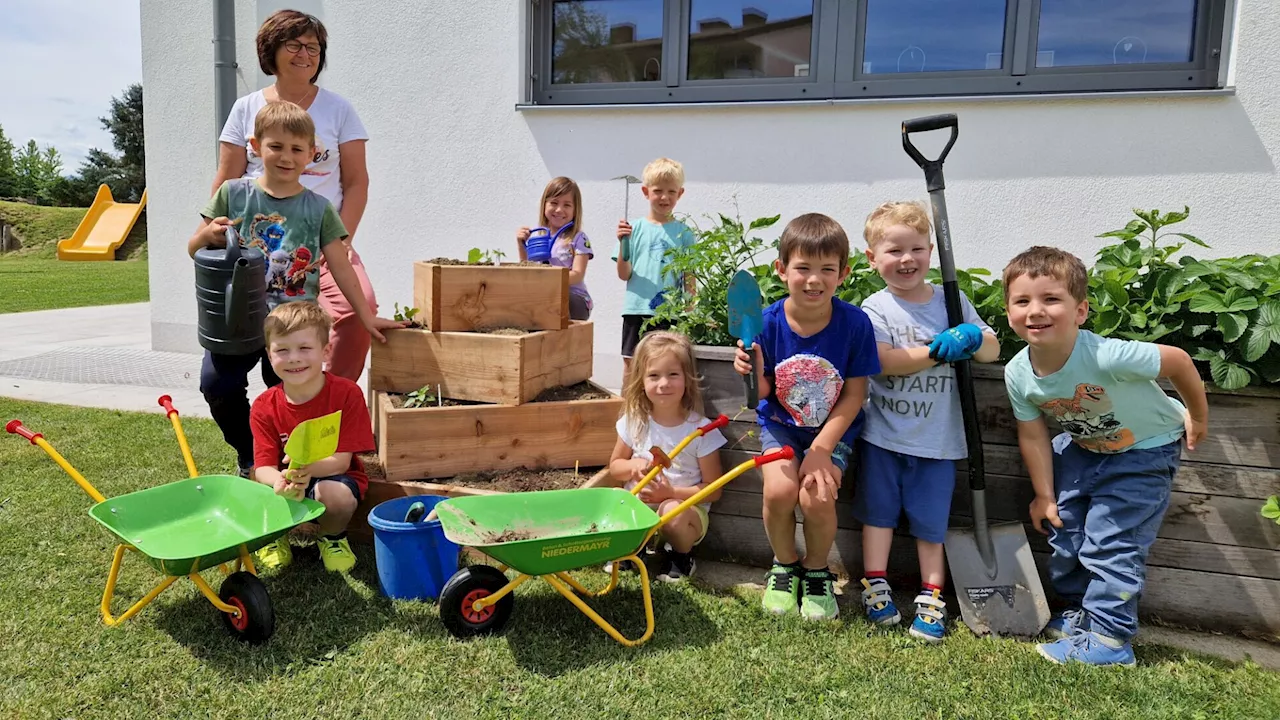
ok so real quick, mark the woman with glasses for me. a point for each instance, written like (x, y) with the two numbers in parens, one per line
(291, 47)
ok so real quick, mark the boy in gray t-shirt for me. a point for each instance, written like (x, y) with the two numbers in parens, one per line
(914, 432)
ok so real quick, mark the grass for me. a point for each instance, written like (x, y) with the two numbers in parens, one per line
(341, 650)
(40, 228)
(34, 283)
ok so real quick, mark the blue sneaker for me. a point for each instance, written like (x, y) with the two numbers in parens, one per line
(1089, 648)
(1067, 624)
(931, 613)
(878, 599)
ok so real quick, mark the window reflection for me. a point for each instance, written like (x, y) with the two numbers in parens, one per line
(1115, 32)
(606, 41)
(730, 39)
(911, 36)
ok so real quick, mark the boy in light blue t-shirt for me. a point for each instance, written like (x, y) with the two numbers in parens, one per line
(1104, 492)
(642, 252)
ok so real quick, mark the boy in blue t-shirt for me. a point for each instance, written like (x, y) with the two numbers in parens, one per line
(642, 252)
(813, 359)
(1105, 492)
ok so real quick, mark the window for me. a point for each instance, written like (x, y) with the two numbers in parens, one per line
(657, 51)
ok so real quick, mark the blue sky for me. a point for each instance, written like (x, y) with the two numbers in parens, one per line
(63, 61)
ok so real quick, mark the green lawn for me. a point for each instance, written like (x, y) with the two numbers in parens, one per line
(35, 283)
(341, 650)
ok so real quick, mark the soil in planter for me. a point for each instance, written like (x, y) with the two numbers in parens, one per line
(518, 480)
(512, 331)
(456, 261)
(398, 400)
(581, 391)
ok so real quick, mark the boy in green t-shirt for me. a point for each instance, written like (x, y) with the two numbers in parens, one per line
(296, 230)
(642, 252)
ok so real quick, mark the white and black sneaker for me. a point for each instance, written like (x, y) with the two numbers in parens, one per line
(677, 567)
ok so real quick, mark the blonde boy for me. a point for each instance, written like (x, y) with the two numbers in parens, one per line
(643, 245)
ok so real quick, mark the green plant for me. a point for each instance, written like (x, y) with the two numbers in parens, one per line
(1224, 312)
(1271, 510)
(476, 256)
(406, 313)
(421, 397)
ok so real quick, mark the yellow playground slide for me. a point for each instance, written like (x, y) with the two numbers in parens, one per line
(103, 229)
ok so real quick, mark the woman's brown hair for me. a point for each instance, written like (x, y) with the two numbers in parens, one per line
(286, 25)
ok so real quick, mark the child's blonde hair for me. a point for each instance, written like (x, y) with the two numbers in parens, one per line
(663, 170)
(636, 407)
(291, 317)
(895, 212)
(284, 115)
(557, 187)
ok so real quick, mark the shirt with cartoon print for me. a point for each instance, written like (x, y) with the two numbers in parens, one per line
(809, 372)
(562, 255)
(1105, 395)
(290, 232)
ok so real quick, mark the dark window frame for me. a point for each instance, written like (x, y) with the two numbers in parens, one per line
(837, 57)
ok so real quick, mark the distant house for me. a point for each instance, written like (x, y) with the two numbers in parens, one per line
(1068, 119)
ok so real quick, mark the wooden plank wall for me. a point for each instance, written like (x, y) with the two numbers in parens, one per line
(1213, 542)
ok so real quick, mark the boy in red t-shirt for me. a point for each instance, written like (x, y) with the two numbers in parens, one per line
(298, 346)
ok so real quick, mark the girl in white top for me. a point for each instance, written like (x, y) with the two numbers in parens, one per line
(658, 409)
(292, 47)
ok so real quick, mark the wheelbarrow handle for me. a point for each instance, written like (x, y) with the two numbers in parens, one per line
(783, 453)
(15, 427)
(925, 124)
(166, 402)
(718, 423)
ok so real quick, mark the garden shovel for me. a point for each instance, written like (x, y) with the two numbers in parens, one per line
(745, 323)
(624, 244)
(314, 439)
(996, 580)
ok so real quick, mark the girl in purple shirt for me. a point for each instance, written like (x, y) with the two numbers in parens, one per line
(561, 221)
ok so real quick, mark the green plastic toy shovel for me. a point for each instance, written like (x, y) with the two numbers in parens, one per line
(314, 439)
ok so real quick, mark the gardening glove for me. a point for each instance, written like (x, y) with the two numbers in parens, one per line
(956, 344)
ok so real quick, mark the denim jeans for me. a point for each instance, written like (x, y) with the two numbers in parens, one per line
(1111, 507)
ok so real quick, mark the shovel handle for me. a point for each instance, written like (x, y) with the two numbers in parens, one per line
(15, 427)
(932, 168)
(753, 382)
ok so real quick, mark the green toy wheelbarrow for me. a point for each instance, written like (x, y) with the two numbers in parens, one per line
(546, 534)
(191, 525)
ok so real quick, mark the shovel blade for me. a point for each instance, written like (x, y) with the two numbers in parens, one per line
(745, 315)
(1005, 600)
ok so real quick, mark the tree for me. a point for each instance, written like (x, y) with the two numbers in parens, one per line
(37, 170)
(8, 176)
(125, 124)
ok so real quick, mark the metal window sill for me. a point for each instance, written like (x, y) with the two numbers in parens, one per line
(915, 99)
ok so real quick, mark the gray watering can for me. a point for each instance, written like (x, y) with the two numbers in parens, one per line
(231, 297)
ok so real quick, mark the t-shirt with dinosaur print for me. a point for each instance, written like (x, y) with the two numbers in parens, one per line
(1105, 395)
(290, 232)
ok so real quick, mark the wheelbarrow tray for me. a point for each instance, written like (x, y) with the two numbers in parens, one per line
(539, 533)
(201, 522)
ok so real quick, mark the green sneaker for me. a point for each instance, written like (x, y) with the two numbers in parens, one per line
(819, 600)
(276, 555)
(336, 554)
(782, 589)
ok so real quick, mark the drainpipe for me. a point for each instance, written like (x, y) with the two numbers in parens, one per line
(224, 62)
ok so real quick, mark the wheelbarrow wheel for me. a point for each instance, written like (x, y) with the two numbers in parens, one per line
(257, 620)
(467, 586)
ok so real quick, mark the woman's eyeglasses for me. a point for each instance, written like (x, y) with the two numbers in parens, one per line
(293, 46)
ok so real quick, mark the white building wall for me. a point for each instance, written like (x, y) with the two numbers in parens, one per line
(455, 165)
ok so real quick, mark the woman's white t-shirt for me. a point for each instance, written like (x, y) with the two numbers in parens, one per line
(336, 123)
(684, 470)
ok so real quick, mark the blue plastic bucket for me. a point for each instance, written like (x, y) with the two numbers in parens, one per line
(414, 560)
(539, 247)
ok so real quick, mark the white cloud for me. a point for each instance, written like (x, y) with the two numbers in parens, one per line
(63, 61)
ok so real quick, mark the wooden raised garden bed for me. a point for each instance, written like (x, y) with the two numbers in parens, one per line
(437, 442)
(494, 367)
(1214, 565)
(460, 297)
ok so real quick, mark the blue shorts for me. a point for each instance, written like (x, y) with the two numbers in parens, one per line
(890, 482)
(775, 435)
(348, 482)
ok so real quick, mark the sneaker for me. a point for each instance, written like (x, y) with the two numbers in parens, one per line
(782, 588)
(677, 567)
(931, 613)
(244, 472)
(626, 566)
(1067, 624)
(276, 555)
(819, 600)
(336, 554)
(877, 598)
(1089, 648)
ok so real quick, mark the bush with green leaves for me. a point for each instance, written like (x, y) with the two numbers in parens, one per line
(1225, 313)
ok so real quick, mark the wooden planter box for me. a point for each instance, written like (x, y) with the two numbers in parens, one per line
(475, 297)
(1213, 542)
(436, 442)
(483, 367)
